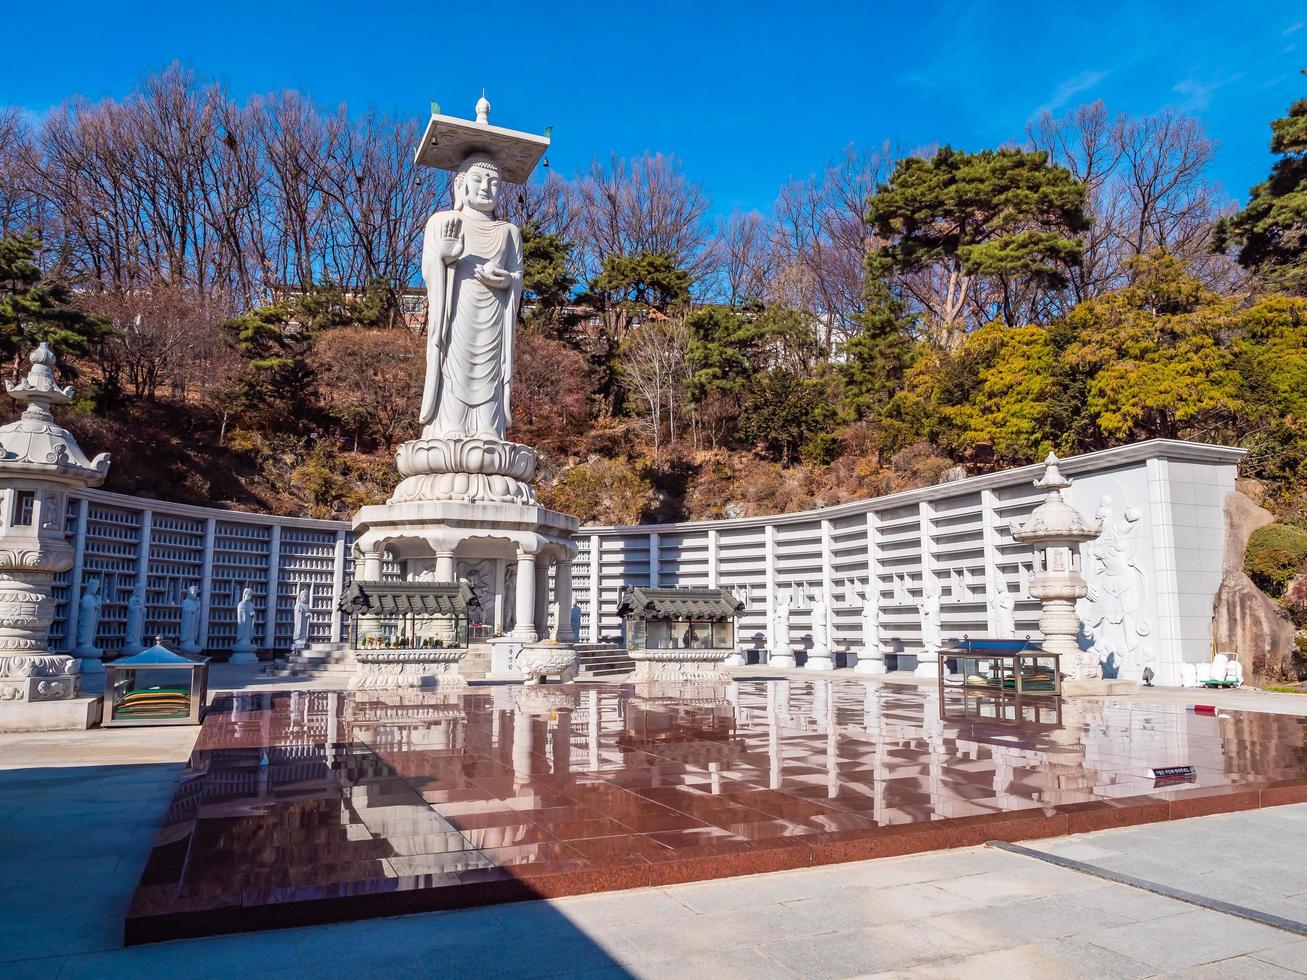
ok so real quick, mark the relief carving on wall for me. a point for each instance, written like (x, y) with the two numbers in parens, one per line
(1115, 622)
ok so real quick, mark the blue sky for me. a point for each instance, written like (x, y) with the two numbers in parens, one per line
(747, 95)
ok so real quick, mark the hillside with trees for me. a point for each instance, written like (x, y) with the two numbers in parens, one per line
(230, 286)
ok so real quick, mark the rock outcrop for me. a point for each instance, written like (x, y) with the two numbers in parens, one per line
(1245, 621)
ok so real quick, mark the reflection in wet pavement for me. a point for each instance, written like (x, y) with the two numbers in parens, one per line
(304, 807)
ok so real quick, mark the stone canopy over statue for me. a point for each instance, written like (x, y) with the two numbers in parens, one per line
(472, 265)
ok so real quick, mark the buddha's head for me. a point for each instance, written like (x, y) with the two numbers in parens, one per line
(476, 184)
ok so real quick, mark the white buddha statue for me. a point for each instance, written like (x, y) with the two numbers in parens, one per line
(472, 265)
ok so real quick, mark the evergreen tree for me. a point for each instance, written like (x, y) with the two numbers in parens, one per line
(36, 308)
(1271, 232)
(548, 284)
(1006, 216)
(876, 358)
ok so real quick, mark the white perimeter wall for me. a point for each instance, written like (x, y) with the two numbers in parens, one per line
(954, 533)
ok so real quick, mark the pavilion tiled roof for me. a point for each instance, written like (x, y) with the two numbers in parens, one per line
(679, 603)
(399, 598)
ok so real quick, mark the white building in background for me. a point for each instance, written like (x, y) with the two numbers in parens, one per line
(1153, 574)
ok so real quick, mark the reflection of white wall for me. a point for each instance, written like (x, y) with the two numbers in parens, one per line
(956, 533)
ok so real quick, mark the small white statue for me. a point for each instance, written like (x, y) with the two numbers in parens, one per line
(932, 629)
(819, 657)
(88, 619)
(872, 658)
(1002, 607)
(135, 636)
(190, 628)
(243, 651)
(303, 619)
(782, 655)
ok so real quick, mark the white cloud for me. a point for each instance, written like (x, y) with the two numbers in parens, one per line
(1070, 88)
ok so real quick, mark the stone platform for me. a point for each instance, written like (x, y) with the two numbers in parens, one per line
(374, 804)
(66, 715)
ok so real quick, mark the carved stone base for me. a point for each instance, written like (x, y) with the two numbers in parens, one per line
(243, 655)
(819, 658)
(45, 677)
(380, 670)
(927, 665)
(469, 470)
(679, 665)
(537, 661)
(465, 488)
(736, 659)
(783, 659)
(869, 663)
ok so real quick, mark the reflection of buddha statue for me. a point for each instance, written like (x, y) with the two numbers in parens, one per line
(472, 265)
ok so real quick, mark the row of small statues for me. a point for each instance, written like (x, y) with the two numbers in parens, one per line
(402, 642)
(88, 620)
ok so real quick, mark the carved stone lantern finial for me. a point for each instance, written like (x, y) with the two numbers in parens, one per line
(1056, 530)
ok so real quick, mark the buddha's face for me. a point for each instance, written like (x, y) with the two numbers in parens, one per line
(481, 188)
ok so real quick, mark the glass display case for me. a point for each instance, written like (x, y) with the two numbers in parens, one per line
(155, 687)
(679, 618)
(1020, 667)
(408, 615)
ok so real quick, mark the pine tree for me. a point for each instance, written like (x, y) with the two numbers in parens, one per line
(1271, 232)
(36, 308)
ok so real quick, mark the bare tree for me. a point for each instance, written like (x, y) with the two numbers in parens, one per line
(1086, 143)
(627, 207)
(652, 363)
(19, 206)
(1164, 159)
(165, 338)
(743, 256)
(820, 239)
(1147, 189)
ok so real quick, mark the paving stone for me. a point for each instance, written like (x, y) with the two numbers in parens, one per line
(1065, 959)
(1178, 942)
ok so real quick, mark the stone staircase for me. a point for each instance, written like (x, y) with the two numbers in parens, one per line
(320, 658)
(476, 664)
(603, 660)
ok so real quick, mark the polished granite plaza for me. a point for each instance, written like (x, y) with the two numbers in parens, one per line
(312, 806)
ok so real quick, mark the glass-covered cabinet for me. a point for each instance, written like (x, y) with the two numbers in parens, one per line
(680, 618)
(155, 687)
(1020, 667)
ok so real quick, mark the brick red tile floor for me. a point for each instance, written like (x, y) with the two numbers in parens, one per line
(302, 807)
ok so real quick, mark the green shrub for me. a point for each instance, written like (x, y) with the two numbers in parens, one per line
(1275, 554)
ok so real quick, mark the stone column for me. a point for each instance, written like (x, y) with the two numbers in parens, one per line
(497, 621)
(594, 587)
(541, 614)
(370, 625)
(75, 585)
(563, 600)
(337, 586)
(446, 571)
(525, 629)
(206, 581)
(274, 585)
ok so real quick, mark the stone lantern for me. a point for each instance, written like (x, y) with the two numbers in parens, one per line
(39, 463)
(1056, 530)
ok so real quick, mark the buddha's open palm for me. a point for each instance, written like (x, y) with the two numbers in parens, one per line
(451, 238)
